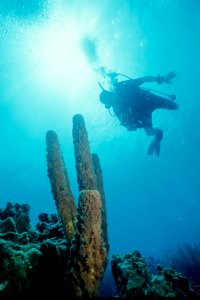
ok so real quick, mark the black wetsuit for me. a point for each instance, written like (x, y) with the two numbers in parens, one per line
(134, 105)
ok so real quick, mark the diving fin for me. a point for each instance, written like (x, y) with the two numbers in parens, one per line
(154, 147)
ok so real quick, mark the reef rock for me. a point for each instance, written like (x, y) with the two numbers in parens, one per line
(133, 279)
(32, 259)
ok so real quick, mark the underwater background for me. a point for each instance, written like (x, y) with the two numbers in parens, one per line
(47, 76)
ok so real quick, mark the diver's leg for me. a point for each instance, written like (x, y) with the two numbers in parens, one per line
(155, 144)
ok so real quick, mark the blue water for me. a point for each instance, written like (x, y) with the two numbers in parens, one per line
(153, 203)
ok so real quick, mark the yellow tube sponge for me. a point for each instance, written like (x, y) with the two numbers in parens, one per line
(100, 188)
(85, 269)
(60, 185)
(84, 168)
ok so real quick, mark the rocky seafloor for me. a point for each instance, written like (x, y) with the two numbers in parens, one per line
(34, 262)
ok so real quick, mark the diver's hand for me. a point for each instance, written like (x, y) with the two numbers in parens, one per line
(169, 77)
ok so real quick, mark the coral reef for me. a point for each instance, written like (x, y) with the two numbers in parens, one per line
(60, 185)
(133, 279)
(64, 254)
(185, 259)
(36, 264)
(67, 254)
(34, 261)
(14, 221)
(130, 273)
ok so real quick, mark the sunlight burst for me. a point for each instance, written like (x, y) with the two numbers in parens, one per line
(57, 55)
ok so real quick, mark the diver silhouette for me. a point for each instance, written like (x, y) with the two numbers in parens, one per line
(133, 105)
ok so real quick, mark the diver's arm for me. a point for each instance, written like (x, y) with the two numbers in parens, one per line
(139, 81)
(144, 79)
(159, 79)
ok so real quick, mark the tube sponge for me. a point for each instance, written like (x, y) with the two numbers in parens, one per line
(60, 185)
(84, 168)
(88, 254)
(100, 188)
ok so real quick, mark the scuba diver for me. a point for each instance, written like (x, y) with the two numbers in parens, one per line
(133, 105)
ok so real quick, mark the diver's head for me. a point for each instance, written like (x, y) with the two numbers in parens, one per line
(106, 98)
